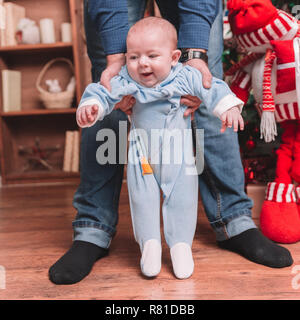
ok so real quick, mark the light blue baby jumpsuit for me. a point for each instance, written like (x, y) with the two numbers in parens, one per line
(161, 133)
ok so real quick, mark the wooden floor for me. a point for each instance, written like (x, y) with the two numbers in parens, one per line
(35, 230)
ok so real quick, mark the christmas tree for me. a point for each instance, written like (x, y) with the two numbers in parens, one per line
(258, 157)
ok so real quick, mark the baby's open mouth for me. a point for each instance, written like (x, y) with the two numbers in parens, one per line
(146, 74)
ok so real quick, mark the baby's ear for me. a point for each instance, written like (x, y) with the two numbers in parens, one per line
(175, 57)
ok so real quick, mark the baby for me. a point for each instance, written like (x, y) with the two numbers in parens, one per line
(155, 78)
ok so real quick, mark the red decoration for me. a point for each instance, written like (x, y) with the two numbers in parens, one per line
(250, 144)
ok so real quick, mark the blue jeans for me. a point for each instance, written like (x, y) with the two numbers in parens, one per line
(221, 184)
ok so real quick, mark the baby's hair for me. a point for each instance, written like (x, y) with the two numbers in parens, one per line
(155, 23)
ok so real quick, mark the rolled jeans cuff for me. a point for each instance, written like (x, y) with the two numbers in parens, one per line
(227, 229)
(94, 235)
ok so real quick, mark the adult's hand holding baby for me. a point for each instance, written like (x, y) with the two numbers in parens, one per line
(203, 68)
(192, 102)
(114, 65)
(126, 104)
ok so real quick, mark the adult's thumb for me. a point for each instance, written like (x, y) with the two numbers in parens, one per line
(105, 80)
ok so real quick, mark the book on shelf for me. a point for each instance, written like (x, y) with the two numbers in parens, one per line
(11, 15)
(75, 159)
(2, 20)
(71, 152)
(11, 90)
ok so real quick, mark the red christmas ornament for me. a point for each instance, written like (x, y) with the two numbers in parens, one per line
(250, 145)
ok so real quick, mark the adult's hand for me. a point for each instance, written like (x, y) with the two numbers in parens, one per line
(126, 104)
(203, 68)
(192, 102)
(114, 65)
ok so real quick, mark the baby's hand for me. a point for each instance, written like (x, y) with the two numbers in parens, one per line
(232, 117)
(86, 115)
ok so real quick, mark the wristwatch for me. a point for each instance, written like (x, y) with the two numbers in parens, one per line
(193, 54)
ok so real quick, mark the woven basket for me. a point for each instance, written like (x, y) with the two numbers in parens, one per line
(55, 100)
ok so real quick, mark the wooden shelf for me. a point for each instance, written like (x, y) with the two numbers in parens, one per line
(35, 124)
(37, 112)
(35, 47)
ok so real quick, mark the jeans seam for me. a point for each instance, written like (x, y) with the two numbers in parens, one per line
(219, 200)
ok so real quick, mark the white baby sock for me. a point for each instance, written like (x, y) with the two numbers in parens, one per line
(182, 260)
(151, 258)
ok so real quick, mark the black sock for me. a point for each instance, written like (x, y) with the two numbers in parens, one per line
(76, 263)
(254, 246)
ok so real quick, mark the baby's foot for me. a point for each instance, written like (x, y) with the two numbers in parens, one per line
(151, 258)
(182, 260)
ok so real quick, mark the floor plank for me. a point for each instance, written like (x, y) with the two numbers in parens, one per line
(35, 230)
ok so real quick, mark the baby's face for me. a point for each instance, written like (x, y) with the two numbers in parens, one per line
(150, 57)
